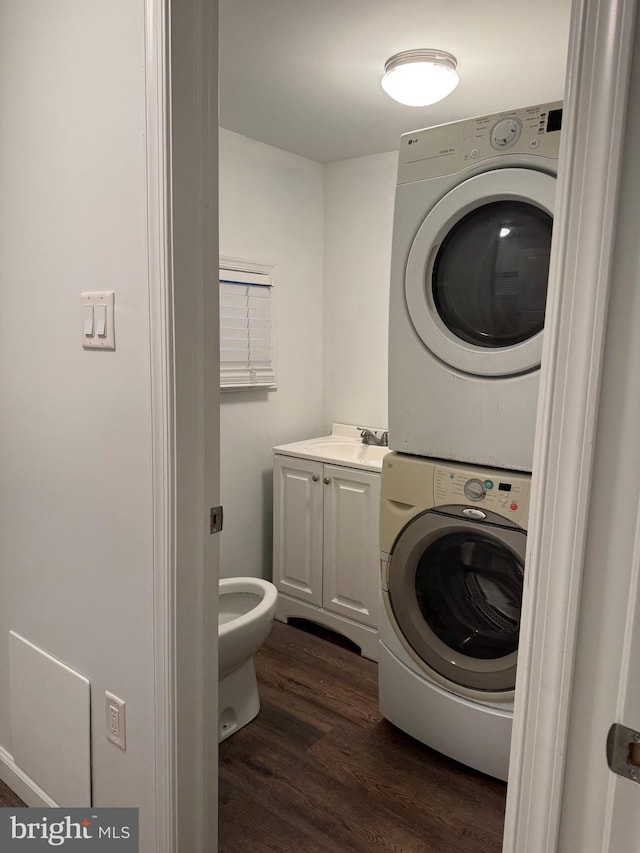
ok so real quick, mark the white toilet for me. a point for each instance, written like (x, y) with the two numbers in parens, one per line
(247, 611)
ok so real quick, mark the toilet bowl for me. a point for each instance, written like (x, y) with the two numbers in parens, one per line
(246, 614)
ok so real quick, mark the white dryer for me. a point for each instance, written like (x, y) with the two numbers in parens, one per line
(470, 261)
(453, 541)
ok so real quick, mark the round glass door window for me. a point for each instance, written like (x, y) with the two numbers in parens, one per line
(477, 273)
(469, 591)
(489, 278)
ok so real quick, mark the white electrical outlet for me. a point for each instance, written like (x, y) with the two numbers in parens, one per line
(116, 720)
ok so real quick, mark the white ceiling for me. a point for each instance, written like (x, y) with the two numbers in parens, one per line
(304, 75)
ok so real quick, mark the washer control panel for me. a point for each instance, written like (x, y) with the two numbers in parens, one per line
(503, 492)
(449, 148)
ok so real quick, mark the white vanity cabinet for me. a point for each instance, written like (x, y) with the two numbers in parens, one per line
(326, 546)
(298, 509)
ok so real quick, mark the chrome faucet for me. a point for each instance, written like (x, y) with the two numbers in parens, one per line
(369, 437)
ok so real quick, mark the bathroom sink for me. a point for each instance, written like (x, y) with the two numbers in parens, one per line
(342, 448)
(349, 450)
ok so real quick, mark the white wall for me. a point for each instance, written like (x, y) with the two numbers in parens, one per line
(75, 426)
(271, 210)
(328, 230)
(359, 196)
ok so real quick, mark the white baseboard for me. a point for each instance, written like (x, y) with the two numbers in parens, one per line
(23, 785)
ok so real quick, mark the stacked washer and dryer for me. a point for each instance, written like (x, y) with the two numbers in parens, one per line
(470, 262)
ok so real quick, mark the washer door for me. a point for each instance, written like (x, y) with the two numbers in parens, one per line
(477, 273)
(455, 589)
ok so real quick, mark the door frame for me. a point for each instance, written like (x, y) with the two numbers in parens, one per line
(601, 45)
(182, 144)
(600, 54)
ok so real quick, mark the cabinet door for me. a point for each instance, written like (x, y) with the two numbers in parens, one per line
(297, 528)
(351, 547)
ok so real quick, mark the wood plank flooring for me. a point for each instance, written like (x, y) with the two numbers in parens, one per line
(320, 771)
(8, 799)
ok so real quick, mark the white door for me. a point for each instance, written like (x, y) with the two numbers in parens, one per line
(622, 828)
(579, 667)
(297, 528)
(622, 825)
(601, 809)
(351, 543)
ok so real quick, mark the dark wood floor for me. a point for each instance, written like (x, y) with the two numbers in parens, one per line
(320, 770)
(8, 799)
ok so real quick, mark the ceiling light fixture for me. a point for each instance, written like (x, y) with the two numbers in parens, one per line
(418, 78)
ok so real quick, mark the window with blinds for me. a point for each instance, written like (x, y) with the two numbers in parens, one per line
(247, 346)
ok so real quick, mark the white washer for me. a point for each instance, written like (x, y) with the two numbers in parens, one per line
(452, 542)
(470, 261)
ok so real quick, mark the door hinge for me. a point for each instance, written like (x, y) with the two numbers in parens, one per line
(623, 751)
(215, 519)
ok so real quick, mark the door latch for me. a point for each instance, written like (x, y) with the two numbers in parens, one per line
(623, 751)
(215, 519)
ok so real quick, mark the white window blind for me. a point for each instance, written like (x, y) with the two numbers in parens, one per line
(247, 351)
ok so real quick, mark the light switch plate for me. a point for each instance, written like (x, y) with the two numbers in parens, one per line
(107, 341)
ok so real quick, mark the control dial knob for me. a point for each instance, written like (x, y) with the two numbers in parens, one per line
(474, 490)
(505, 133)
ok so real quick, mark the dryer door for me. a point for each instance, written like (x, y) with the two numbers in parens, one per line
(477, 272)
(455, 589)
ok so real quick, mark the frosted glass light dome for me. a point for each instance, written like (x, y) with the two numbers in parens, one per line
(418, 78)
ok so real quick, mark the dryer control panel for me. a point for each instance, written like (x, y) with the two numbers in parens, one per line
(502, 492)
(449, 148)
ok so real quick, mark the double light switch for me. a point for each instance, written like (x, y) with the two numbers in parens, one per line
(97, 320)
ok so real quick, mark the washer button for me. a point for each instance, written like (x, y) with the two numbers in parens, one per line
(534, 143)
(475, 153)
(513, 507)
